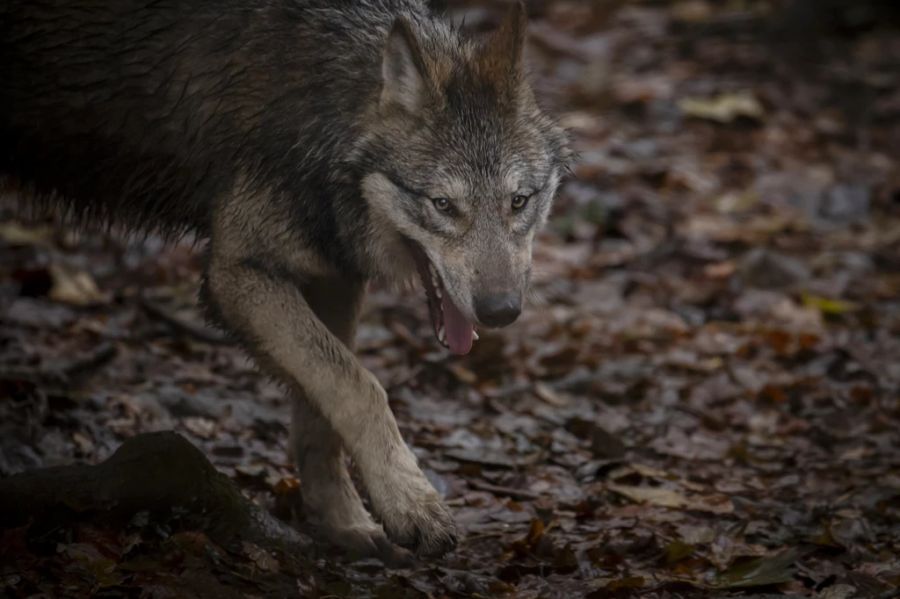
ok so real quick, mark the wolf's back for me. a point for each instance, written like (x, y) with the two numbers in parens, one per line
(142, 112)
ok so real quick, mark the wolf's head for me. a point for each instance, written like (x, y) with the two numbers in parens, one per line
(462, 169)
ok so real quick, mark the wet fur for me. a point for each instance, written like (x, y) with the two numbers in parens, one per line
(290, 134)
(161, 105)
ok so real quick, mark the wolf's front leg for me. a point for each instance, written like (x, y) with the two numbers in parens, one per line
(264, 305)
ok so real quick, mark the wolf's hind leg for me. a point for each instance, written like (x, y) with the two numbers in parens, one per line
(329, 496)
(330, 499)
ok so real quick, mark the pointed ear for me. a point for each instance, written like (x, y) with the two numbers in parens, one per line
(504, 47)
(404, 76)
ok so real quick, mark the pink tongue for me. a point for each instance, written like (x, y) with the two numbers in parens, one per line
(458, 328)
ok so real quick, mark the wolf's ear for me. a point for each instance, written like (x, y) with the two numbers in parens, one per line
(403, 71)
(503, 52)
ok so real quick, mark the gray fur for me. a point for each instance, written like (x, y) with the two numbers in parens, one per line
(306, 140)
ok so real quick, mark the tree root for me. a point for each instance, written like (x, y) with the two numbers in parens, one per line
(153, 472)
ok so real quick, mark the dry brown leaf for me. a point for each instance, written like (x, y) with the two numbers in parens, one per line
(14, 233)
(75, 287)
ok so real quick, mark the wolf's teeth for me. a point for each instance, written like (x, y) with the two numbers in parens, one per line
(474, 334)
(442, 335)
(435, 279)
(437, 292)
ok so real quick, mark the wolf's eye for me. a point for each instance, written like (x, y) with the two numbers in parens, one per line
(442, 204)
(519, 202)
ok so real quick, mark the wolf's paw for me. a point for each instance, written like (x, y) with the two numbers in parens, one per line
(412, 512)
(423, 524)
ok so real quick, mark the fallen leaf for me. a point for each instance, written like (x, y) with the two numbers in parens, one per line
(100, 567)
(546, 393)
(677, 551)
(14, 233)
(839, 591)
(828, 307)
(724, 108)
(261, 557)
(692, 11)
(201, 427)
(767, 269)
(606, 445)
(629, 582)
(75, 287)
(759, 571)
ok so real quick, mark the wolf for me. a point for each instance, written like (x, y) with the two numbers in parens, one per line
(315, 145)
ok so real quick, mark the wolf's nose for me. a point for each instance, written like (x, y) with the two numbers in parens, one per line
(498, 309)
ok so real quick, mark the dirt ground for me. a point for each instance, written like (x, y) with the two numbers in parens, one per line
(702, 398)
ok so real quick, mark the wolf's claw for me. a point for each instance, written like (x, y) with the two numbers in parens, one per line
(428, 528)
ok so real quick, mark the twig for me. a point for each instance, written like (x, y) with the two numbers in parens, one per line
(93, 360)
(181, 325)
(485, 535)
(501, 490)
(61, 372)
(566, 383)
(31, 374)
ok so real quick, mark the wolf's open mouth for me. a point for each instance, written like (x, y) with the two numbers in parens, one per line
(451, 327)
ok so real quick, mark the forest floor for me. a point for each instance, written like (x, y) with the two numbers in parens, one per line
(702, 399)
